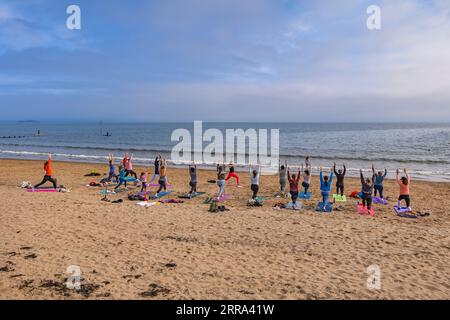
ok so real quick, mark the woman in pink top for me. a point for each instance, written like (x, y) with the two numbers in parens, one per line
(129, 167)
(404, 183)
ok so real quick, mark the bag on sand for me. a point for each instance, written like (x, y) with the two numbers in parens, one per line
(213, 207)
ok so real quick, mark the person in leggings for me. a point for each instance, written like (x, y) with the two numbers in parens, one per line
(122, 179)
(221, 180)
(293, 185)
(378, 179)
(306, 179)
(193, 179)
(232, 174)
(143, 179)
(325, 185)
(48, 173)
(129, 167)
(340, 176)
(162, 176)
(282, 171)
(254, 180)
(112, 171)
(366, 191)
(404, 183)
(156, 164)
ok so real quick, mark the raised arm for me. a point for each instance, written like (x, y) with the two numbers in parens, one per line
(361, 176)
(334, 168)
(385, 173)
(345, 169)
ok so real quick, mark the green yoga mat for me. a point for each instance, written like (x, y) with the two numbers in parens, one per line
(339, 198)
(186, 195)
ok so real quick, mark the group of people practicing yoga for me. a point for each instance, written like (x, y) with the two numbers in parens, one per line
(369, 186)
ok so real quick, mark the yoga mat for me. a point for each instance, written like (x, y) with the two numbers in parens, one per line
(186, 195)
(297, 206)
(364, 211)
(405, 215)
(401, 209)
(339, 198)
(42, 190)
(157, 185)
(321, 207)
(303, 196)
(378, 200)
(161, 194)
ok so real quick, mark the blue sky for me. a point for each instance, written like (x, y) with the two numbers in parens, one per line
(225, 60)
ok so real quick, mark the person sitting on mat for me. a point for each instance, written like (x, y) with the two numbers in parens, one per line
(156, 164)
(232, 173)
(282, 171)
(366, 191)
(340, 176)
(193, 179)
(293, 185)
(48, 173)
(378, 179)
(325, 186)
(254, 180)
(404, 183)
(162, 176)
(129, 167)
(221, 180)
(306, 179)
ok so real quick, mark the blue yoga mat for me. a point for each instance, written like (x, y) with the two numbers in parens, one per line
(303, 196)
(321, 207)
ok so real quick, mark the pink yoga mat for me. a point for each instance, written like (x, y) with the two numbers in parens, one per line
(364, 211)
(42, 190)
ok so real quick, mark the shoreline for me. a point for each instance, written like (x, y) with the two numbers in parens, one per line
(351, 172)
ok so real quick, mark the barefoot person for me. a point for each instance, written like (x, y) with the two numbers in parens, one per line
(143, 179)
(282, 171)
(48, 173)
(366, 191)
(378, 179)
(325, 185)
(112, 170)
(156, 164)
(129, 167)
(193, 179)
(254, 180)
(162, 176)
(232, 173)
(221, 180)
(340, 176)
(306, 179)
(293, 185)
(404, 183)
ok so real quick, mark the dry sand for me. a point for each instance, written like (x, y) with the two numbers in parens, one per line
(181, 251)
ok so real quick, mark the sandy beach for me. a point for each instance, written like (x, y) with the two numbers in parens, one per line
(181, 251)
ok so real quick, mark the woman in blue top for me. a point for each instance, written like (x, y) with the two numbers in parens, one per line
(325, 185)
(123, 179)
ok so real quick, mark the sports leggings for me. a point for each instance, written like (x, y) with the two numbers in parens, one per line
(46, 178)
(232, 175)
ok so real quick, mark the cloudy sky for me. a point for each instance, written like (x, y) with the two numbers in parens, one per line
(225, 60)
